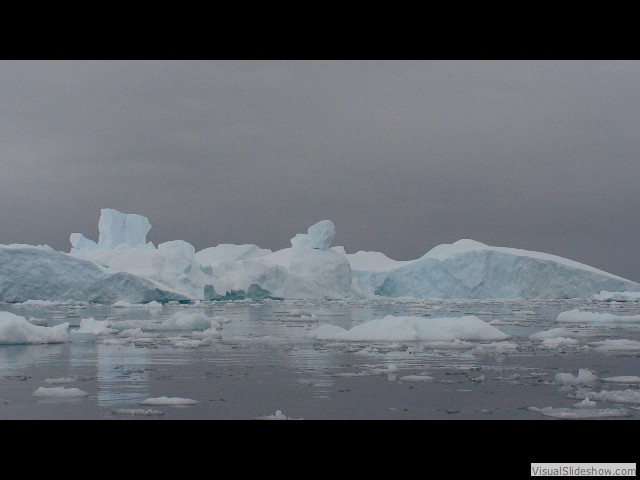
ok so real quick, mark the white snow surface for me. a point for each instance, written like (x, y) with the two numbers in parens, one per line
(17, 330)
(411, 329)
(580, 316)
(168, 401)
(59, 392)
(617, 345)
(628, 379)
(94, 327)
(553, 333)
(226, 252)
(585, 376)
(581, 413)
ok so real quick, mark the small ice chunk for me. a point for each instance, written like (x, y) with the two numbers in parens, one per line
(59, 392)
(277, 416)
(585, 376)
(628, 379)
(586, 403)
(60, 380)
(557, 342)
(415, 378)
(581, 413)
(95, 327)
(553, 333)
(580, 316)
(618, 345)
(616, 396)
(136, 411)
(182, 321)
(168, 401)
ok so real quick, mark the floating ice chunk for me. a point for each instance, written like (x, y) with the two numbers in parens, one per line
(415, 378)
(586, 403)
(616, 396)
(277, 416)
(579, 316)
(168, 401)
(581, 413)
(208, 334)
(181, 321)
(136, 411)
(153, 304)
(585, 376)
(131, 333)
(95, 327)
(16, 330)
(59, 392)
(407, 329)
(618, 345)
(553, 333)
(493, 348)
(60, 380)
(557, 342)
(318, 236)
(628, 379)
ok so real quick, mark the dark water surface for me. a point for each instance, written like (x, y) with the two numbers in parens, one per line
(265, 362)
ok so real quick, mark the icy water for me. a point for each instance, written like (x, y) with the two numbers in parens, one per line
(265, 362)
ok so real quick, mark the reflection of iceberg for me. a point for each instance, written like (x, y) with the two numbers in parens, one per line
(18, 358)
(121, 374)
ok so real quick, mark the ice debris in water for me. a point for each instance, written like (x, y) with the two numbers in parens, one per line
(168, 401)
(277, 416)
(59, 392)
(403, 329)
(17, 330)
(585, 376)
(136, 411)
(581, 413)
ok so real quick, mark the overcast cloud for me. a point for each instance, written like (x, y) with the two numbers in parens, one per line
(400, 155)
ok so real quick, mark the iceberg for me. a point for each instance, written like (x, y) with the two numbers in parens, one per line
(118, 228)
(41, 274)
(470, 269)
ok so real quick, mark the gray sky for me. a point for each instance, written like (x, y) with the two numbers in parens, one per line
(401, 155)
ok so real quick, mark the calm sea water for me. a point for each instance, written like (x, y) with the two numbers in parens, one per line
(265, 362)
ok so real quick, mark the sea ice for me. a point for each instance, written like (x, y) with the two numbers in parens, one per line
(168, 401)
(403, 329)
(59, 392)
(16, 330)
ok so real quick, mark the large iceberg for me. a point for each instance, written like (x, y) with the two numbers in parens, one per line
(470, 269)
(302, 271)
(32, 273)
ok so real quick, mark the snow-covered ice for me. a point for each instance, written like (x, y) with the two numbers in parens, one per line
(617, 345)
(581, 413)
(412, 329)
(168, 401)
(318, 236)
(470, 269)
(580, 316)
(626, 379)
(584, 376)
(553, 333)
(59, 392)
(17, 330)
